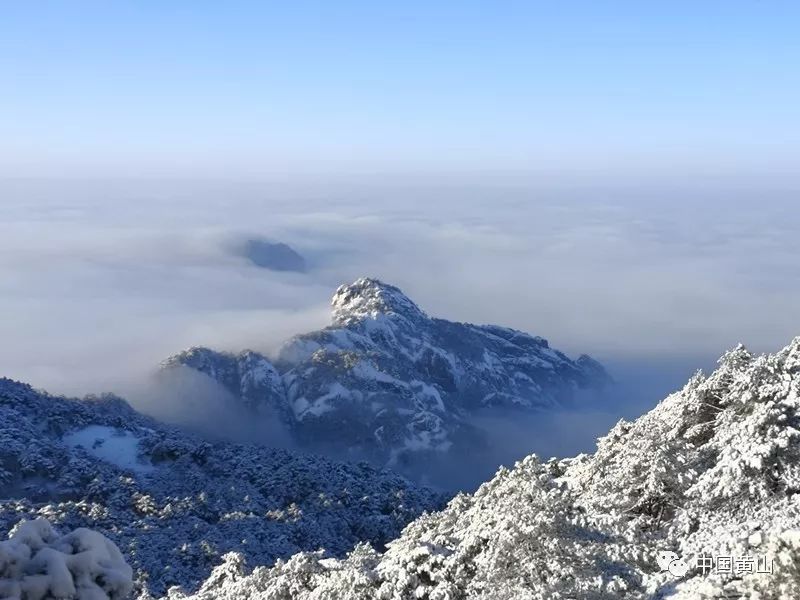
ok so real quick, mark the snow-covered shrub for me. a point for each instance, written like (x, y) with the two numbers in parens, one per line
(36, 563)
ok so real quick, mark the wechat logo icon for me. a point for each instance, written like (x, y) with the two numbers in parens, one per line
(669, 561)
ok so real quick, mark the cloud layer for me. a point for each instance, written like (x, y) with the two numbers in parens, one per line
(99, 282)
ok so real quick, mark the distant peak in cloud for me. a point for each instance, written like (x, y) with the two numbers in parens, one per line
(275, 256)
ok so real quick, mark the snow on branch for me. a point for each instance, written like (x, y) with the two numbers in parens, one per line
(36, 563)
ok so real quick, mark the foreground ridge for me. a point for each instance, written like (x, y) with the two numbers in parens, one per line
(174, 503)
(713, 470)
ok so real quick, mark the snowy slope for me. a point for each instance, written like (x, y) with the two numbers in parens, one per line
(174, 503)
(713, 471)
(115, 446)
(388, 380)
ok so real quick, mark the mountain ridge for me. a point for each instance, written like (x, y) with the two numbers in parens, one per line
(387, 379)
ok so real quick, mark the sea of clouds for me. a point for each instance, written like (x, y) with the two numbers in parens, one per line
(101, 280)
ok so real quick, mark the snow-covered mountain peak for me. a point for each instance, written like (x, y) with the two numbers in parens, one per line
(387, 380)
(367, 298)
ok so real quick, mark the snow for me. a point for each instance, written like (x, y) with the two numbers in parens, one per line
(37, 563)
(429, 392)
(369, 298)
(366, 370)
(261, 372)
(321, 404)
(116, 446)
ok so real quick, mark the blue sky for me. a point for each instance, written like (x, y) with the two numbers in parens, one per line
(240, 88)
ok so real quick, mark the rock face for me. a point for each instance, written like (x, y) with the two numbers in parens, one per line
(697, 499)
(388, 380)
